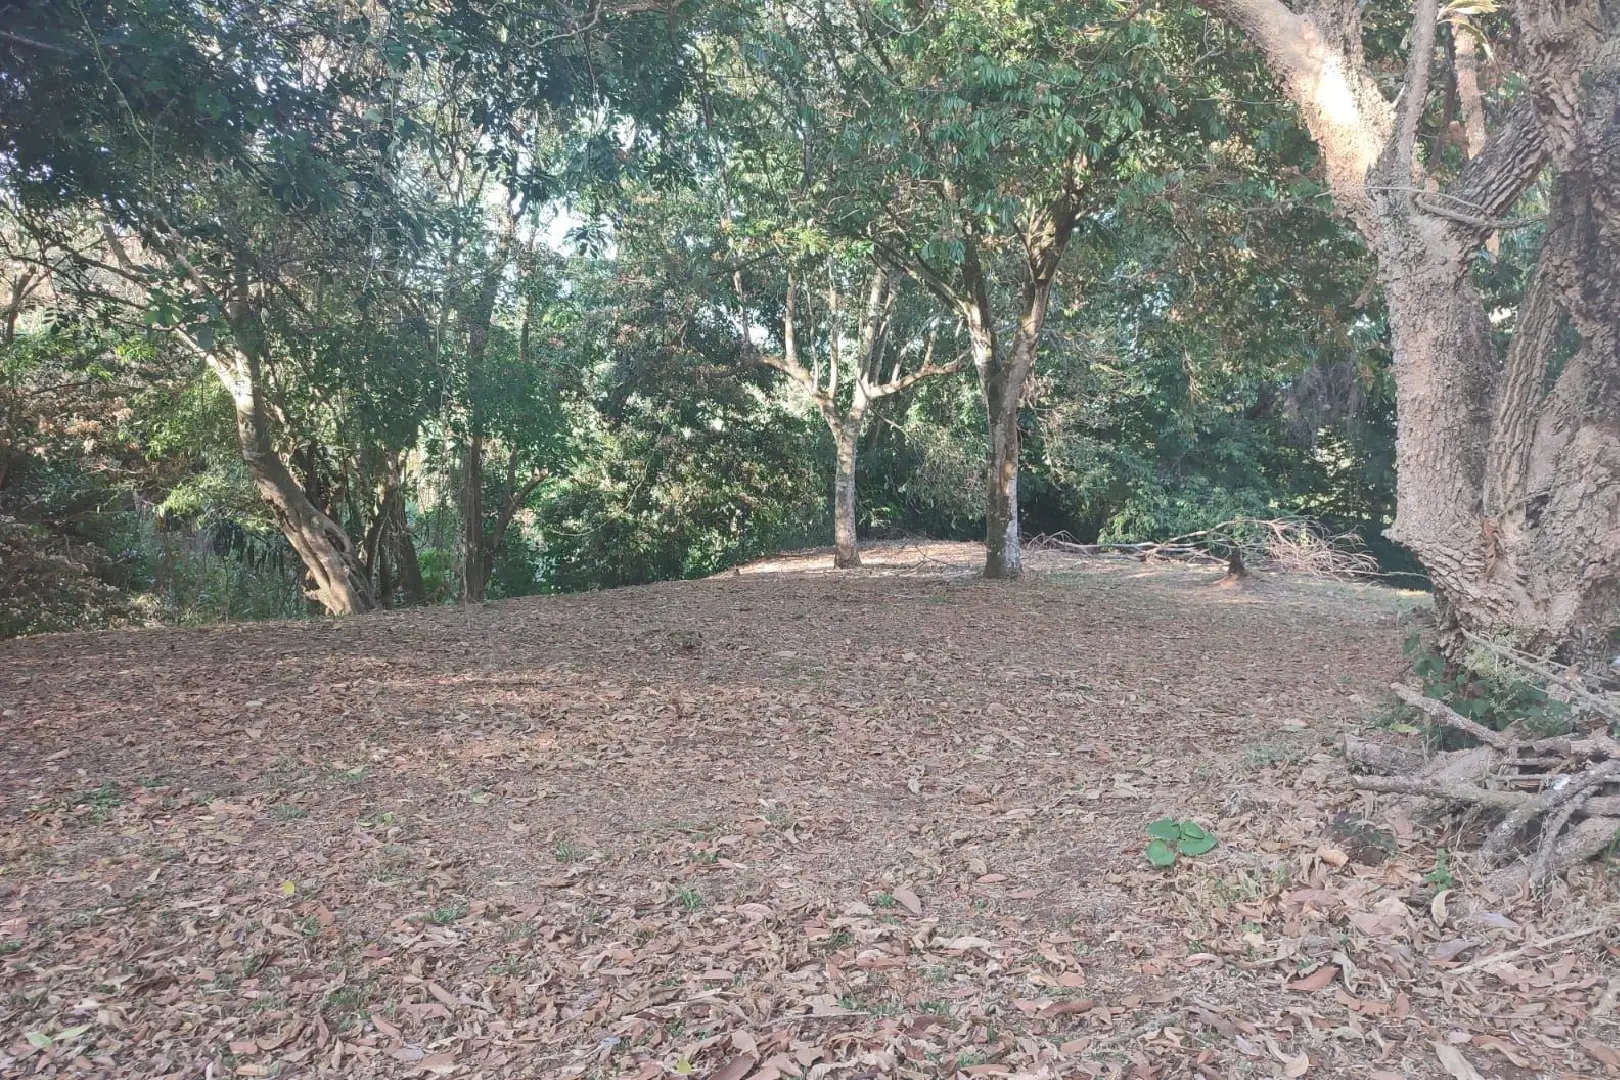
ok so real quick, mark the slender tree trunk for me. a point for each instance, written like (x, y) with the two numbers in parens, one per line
(1003, 373)
(846, 440)
(334, 577)
(404, 549)
(475, 565)
(1003, 557)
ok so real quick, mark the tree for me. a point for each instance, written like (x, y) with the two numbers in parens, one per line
(1508, 459)
(967, 144)
(848, 373)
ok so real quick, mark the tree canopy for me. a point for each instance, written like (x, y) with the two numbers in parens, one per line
(357, 307)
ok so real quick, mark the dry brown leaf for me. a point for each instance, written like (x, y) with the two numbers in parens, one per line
(1067, 1008)
(736, 1068)
(1455, 1064)
(1606, 1054)
(908, 900)
(1316, 980)
(1297, 1066)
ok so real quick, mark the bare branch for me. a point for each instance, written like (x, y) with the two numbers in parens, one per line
(1415, 90)
(30, 43)
(1440, 714)
(927, 371)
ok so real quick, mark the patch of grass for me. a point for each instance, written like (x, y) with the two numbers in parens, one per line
(9, 947)
(1266, 754)
(449, 913)
(564, 852)
(838, 939)
(309, 926)
(346, 1000)
(288, 812)
(885, 900)
(935, 1008)
(689, 900)
(101, 800)
(254, 962)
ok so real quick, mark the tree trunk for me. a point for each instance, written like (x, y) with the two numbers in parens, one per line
(475, 570)
(403, 546)
(1003, 372)
(1508, 468)
(334, 577)
(1003, 557)
(846, 549)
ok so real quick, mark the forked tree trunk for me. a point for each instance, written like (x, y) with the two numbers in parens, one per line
(1003, 372)
(333, 577)
(846, 548)
(1508, 467)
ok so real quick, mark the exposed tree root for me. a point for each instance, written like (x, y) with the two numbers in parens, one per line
(1559, 798)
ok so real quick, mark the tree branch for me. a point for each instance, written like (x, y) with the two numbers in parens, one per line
(42, 46)
(905, 382)
(1510, 163)
(1415, 89)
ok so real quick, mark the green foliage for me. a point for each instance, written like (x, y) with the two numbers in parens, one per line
(1483, 691)
(1169, 838)
(1440, 877)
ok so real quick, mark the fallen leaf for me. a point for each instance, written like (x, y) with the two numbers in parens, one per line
(1067, 1008)
(1606, 1054)
(962, 944)
(1455, 1064)
(1297, 1066)
(1437, 907)
(908, 900)
(736, 1068)
(1332, 856)
(442, 1064)
(1316, 980)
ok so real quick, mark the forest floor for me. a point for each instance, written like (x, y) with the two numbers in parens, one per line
(782, 822)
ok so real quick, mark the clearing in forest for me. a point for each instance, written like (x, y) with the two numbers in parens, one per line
(777, 823)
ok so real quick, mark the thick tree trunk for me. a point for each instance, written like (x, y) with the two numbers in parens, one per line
(846, 549)
(1508, 468)
(334, 577)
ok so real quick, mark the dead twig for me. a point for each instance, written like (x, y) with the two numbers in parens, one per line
(1441, 714)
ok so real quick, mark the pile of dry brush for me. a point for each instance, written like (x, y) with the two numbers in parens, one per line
(1549, 802)
(1291, 544)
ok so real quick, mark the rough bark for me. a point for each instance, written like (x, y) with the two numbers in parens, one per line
(846, 549)
(1508, 468)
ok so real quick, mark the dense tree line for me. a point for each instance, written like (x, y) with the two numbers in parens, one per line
(388, 304)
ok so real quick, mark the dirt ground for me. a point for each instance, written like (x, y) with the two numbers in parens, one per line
(783, 822)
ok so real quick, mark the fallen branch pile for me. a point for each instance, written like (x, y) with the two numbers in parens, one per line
(1557, 799)
(1293, 544)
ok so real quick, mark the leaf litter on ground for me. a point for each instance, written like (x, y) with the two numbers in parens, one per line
(782, 823)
